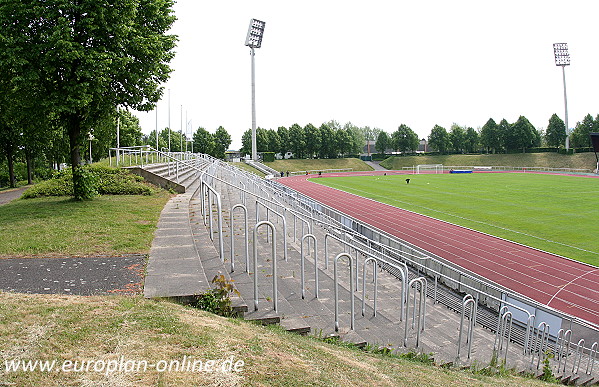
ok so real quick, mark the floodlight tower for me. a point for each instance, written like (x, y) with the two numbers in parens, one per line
(254, 40)
(562, 58)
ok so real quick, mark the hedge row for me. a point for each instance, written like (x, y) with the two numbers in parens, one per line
(106, 181)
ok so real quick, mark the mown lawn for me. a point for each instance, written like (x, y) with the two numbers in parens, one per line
(61, 226)
(553, 213)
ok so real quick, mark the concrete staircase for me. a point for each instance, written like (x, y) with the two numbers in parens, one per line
(184, 258)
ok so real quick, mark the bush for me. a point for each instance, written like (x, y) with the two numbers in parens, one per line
(218, 299)
(101, 179)
(268, 157)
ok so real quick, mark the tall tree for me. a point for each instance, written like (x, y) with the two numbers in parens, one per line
(246, 143)
(489, 136)
(404, 139)
(297, 141)
(504, 134)
(523, 134)
(273, 141)
(457, 138)
(283, 133)
(83, 58)
(580, 135)
(471, 140)
(438, 139)
(222, 141)
(203, 141)
(356, 138)
(382, 142)
(328, 145)
(313, 139)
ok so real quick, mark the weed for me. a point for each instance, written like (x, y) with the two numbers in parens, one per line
(218, 299)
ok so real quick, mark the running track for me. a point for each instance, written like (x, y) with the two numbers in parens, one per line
(560, 283)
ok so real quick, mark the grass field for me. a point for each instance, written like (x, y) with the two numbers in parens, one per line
(553, 213)
(60, 226)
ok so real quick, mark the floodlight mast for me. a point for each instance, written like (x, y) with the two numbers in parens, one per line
(254, 40)
(562, 58)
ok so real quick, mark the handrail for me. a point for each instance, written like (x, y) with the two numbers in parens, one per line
(284, 224)
(274, 264)
(351, 289)
(591, 362)
(403, 269)
(505, 322)
(374, 279)
(468, 300)
(539, 342)
(247, 248)
(220, 217)
(566, 337)
(302, 257)
(421, 310)
(578, 355)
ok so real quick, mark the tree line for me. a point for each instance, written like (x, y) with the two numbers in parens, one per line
(491, 137)
(327, 141)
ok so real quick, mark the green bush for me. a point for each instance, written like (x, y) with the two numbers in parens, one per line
(268, 157)
(101, 179)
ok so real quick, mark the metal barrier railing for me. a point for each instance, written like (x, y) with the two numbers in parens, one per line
(421, 315)
(245, 233)
(274, 264)
(351, 289)
(302, 258)
(368, 241)
(468, 302)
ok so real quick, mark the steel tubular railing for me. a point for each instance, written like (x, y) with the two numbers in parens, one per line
(274, 264)
(592, 358)
(503, 332)
(374, 280)
(219, 217)
(421, 310)
(245, 233)
(468, 301)
(564, 347)
(540, 343)
(351, 288)
(578, 356)
(302, 258)
(403, 269)
(258, 203)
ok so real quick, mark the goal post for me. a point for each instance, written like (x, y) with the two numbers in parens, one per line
(429, 168)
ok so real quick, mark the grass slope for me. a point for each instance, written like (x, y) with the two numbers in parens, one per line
(315, 164)
(72, 328)
(62, 226)
(553, 213)
(548, 159)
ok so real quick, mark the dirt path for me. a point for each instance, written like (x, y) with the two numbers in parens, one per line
(11, 194)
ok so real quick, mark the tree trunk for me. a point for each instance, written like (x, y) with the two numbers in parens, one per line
(12, 182)
(29, 161)
(74, 131)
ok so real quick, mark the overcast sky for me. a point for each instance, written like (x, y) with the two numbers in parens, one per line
(380, 64)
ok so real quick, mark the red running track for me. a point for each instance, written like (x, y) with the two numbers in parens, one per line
(563, 284)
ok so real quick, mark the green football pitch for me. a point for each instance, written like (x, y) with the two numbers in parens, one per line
(555, 213)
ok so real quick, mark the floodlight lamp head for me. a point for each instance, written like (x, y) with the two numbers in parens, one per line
(562, 57)
(255, 33)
